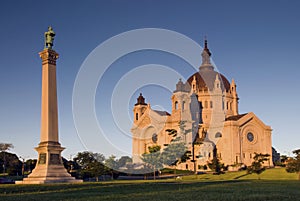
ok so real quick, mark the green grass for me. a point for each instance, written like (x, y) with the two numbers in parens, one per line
(270, 174)
(229, 186)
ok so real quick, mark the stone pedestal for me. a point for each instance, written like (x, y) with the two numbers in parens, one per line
(49, 167)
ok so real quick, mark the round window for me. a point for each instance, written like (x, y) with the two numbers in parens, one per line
(154, 138)
(250, 137)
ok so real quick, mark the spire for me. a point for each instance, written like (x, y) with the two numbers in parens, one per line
(206, 57)
(205, 47)
(140, 100)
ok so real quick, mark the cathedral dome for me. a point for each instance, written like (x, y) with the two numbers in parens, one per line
(205, 80)
(206, 76)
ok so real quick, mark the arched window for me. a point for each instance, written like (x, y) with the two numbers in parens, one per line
(183, 105)
(176, 105)
(136, 116)
(218, 134)
(250, 137)
(211, 104)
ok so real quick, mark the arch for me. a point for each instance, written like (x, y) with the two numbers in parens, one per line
(176, 105)
(218, 135)
(254, 130)
(148, 133)
(136, 116)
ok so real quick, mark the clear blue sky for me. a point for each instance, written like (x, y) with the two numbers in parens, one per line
(254, 42)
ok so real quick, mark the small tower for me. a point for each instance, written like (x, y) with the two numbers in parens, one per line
(139, 108)
(206, 64)
(235, 104)
(194, 87)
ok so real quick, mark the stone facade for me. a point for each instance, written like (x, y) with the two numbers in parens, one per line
(207, 103)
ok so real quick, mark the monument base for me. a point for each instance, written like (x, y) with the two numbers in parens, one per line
(49, 167)
(53, 174)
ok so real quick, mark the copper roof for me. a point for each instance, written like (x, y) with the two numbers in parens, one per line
(206, 79)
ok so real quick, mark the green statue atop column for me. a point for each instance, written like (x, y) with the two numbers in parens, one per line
(49, 38)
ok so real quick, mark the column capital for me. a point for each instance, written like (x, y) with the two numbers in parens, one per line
(49, 56)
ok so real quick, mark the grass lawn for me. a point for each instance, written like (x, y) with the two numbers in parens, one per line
(230, 186)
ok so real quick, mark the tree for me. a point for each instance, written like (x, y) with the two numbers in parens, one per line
(284, 159)
(176, 152)
(10, 163)
(257, 165)
(293, 164)
(111, 165)
(91, 164)
(123, 161)
(215, 163)
(6, 146)
(3, 148)
(72, 167)
(153, 158)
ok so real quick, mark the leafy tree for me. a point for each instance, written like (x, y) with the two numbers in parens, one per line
(257, 165)
(284, 159)
(182, 131)
(123, 161)
(176, 152)
(91, 164)
(293, 164)
(72, 167)
(97, 169)
(111, 165)
(10, 163)
(153, 158)
(6, 146)
(3, 148)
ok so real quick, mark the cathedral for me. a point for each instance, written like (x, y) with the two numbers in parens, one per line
(205, 113)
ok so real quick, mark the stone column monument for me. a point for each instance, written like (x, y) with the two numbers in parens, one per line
(49, 167)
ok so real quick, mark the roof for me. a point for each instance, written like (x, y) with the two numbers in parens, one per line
(206, 78)
(162, 113)
(235, 117)
(140, 100)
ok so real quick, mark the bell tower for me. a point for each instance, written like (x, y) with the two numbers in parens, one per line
(139, 108)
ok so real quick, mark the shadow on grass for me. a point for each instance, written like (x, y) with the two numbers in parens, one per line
(241, 176)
